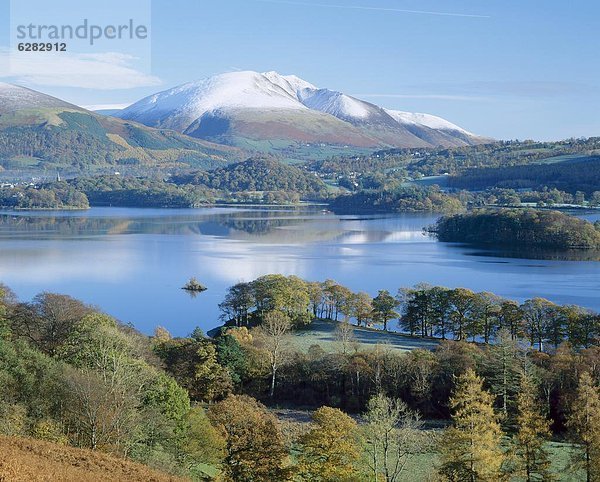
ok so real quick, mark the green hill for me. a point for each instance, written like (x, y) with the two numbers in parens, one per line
(39, 132)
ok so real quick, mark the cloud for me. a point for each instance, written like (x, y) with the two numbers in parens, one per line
(103, 71)
(379, 9)
(106, 106)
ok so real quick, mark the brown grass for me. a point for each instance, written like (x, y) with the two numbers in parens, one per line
(30, 460)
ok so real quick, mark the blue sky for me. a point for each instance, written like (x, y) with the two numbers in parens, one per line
(507, 69)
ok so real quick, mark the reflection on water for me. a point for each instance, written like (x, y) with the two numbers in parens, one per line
(267, 226)
(133, 262)
(539, 253)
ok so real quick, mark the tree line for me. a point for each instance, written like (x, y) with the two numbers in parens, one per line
(424, 310)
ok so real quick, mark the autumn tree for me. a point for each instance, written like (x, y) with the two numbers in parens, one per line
(585, 423)
(337, 299)
(470, 450)
(254, 448)
(533, 431)
(582, 326)
(329, 450)
(288, 294)
(316, 298)
(101, 413)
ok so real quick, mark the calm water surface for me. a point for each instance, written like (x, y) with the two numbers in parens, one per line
(132, 262)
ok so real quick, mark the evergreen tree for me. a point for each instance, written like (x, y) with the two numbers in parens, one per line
(503, 371)
(534, 429)
(470, 450)
(585, 422)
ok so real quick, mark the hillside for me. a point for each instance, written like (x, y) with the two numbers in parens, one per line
(31, 460)
(569, 173)
(41, 132)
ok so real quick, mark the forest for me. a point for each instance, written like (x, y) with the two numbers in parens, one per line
(258, 174)
(519, 227)
(520, 403)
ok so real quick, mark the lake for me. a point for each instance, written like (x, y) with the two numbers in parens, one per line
(132, 262)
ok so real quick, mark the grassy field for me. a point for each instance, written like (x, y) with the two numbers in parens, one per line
(422, 467)
(427, 181)
(322, 333)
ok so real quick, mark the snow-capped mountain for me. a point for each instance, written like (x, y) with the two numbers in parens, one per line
(262, 110)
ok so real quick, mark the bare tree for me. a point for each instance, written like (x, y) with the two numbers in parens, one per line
(48, 320)
(344, 335)
(394, 435)
(101, 412)
(272, 337)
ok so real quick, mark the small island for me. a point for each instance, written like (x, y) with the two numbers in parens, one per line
(194, 285)
(528, 228)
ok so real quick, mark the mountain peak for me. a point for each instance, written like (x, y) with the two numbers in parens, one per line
(292, 84)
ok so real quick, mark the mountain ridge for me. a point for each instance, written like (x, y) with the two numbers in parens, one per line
(238, 107)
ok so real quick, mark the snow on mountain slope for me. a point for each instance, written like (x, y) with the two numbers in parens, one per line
(14, 97)
(427, 120)
(284, 108)
(331, 102)
(335, 103)
(290, 83)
